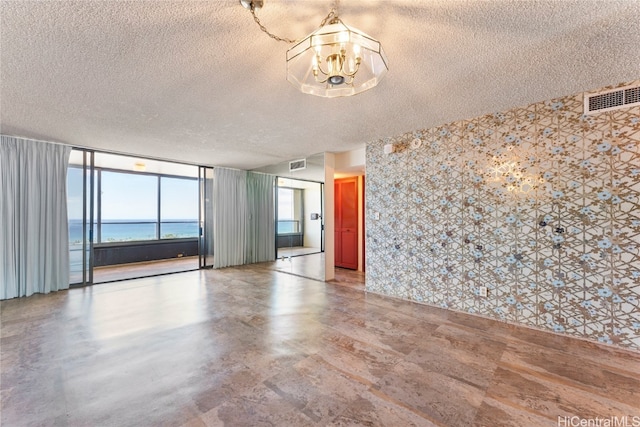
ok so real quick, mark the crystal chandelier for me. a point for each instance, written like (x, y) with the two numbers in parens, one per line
(335, 60)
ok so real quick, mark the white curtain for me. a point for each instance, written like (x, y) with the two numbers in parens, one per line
(260, 238)
(229, 216)
(243, 217)
(34, 239)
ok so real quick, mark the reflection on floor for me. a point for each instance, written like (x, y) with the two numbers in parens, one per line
(296, 251)
(143, 269)
(351, 278)
(251, 346)
(311, 266)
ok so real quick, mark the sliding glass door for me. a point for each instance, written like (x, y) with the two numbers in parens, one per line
(206, 217)
(80, 193)
(131, 217)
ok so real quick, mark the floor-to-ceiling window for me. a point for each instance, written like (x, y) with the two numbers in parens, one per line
(127, 207)
(78, 212)
(178, 208)
(131, 217)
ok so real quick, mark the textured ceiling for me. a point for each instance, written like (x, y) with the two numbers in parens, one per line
(197, 81)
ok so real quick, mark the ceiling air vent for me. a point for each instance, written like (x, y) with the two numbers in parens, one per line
(612, 99)
(296, 165)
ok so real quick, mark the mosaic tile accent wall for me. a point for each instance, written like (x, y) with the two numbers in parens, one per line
(538, 204)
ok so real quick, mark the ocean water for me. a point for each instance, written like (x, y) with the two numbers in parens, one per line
(286, 226)
(130, 230)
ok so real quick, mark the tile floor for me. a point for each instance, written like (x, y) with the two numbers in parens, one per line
(252, 346)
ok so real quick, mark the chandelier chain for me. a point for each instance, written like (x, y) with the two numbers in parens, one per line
(264, 29)
(333, 13)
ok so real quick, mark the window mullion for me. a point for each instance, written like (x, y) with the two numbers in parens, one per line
(159, 220)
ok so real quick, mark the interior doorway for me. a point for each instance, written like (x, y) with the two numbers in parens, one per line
(346, 222)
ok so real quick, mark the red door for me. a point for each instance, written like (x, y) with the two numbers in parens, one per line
(346, 223)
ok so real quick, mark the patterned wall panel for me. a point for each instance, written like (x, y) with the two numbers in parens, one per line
(538, 204)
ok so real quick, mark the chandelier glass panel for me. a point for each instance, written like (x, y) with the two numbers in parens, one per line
(335, 60)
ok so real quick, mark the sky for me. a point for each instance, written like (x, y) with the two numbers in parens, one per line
(127, 196)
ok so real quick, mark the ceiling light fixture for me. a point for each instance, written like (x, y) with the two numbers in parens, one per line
(335, 60)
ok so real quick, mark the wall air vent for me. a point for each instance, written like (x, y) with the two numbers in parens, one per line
(296, 165)
(613, 99)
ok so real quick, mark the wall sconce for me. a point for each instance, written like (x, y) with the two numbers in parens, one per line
(509, 175)
(389, 148)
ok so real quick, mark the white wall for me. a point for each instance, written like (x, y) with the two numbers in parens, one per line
(313, 172)
(329, 222)
(350, 163)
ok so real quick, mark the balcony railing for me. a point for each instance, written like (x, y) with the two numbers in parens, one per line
(129, 237)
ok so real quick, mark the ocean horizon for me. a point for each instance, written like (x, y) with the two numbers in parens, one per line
(126, 230)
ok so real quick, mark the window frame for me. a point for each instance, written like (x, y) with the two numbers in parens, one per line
(158, 208)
